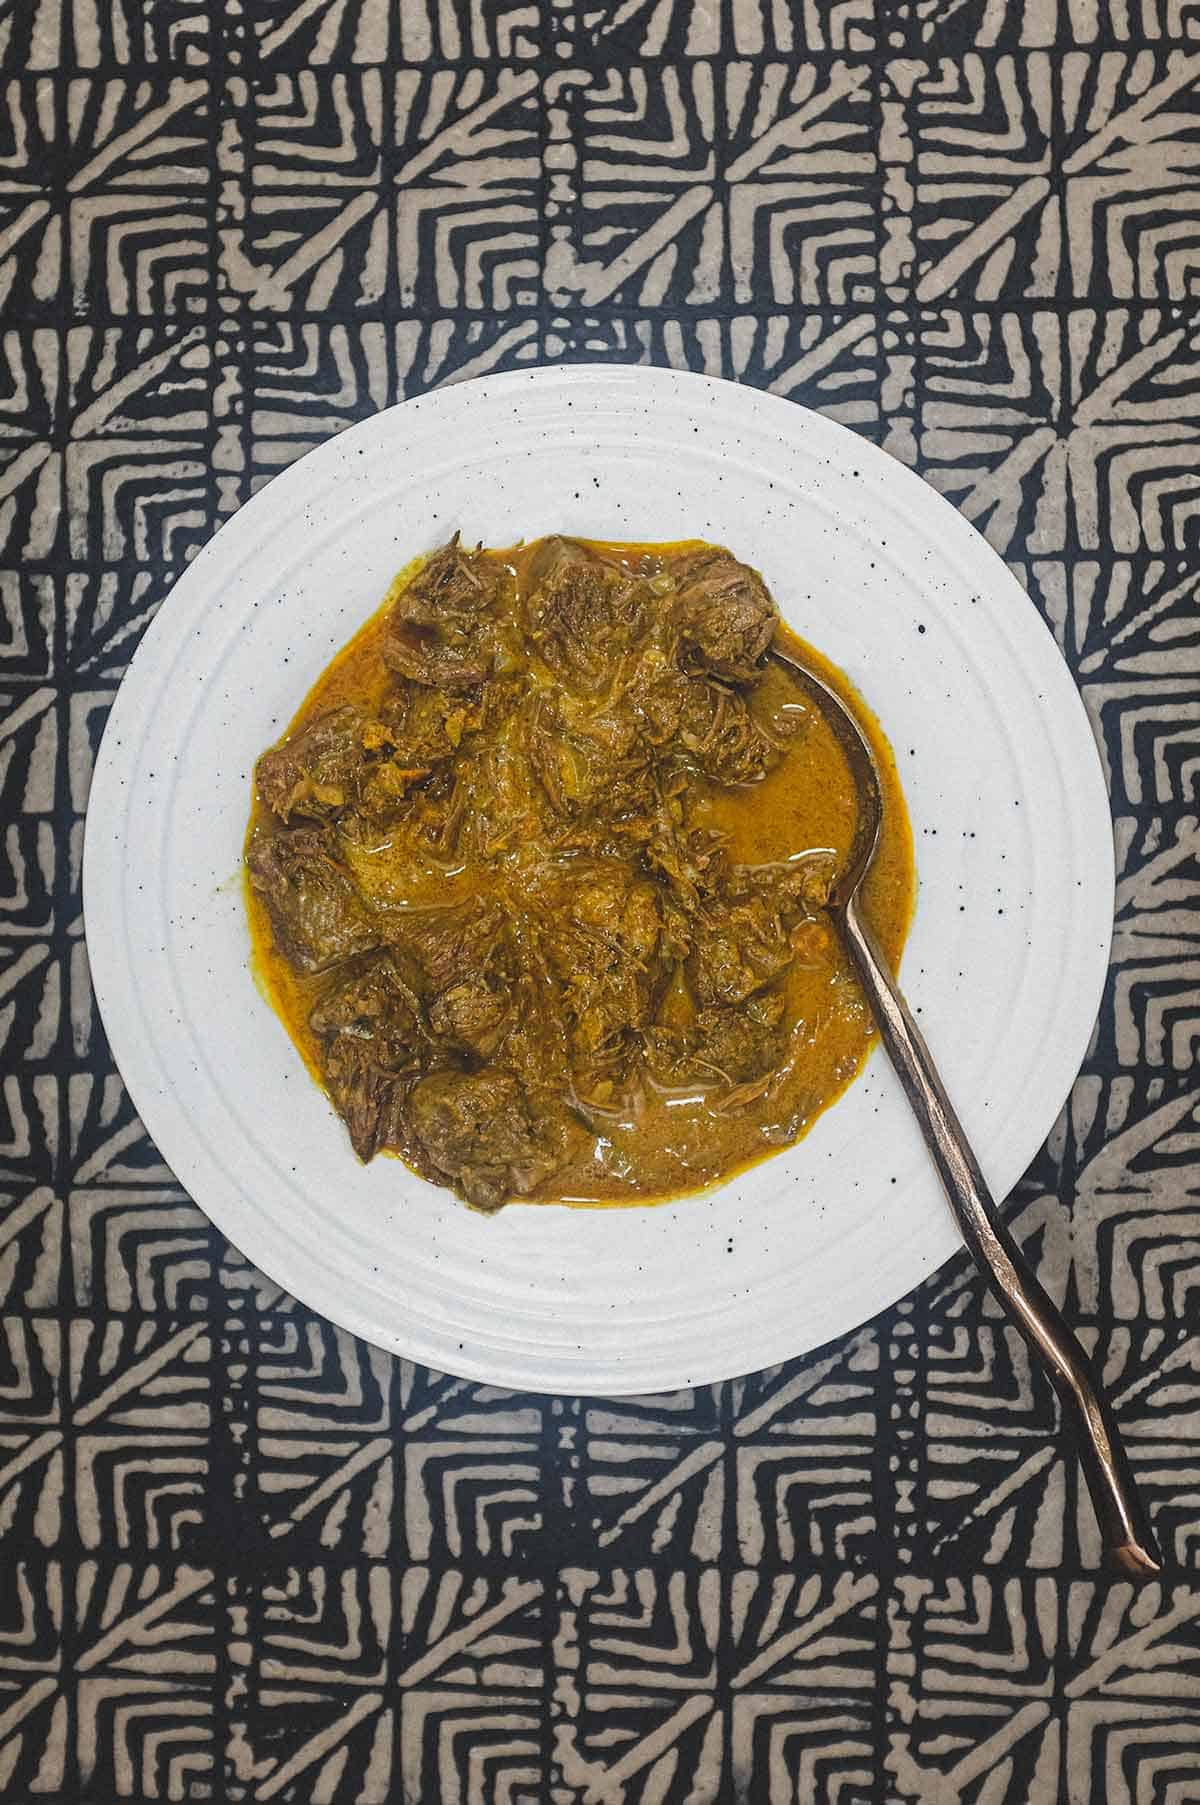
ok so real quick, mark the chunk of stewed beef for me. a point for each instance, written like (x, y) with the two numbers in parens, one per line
(478, 1132)
(738, 947)
(441, 630)
(725, 1045)
(584, 613)
(317, 915)
(453, 587)
(373, 1044)
(603, 937)
(724, 615)
(472, 1015)
(315, 772)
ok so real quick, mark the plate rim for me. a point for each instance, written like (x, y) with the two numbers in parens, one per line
(292, 480)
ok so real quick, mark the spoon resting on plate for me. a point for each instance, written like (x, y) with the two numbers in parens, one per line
(1127, 1541)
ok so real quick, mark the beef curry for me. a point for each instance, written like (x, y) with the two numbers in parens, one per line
(536, 875)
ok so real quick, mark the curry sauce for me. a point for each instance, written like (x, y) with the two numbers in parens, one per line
(536, 875)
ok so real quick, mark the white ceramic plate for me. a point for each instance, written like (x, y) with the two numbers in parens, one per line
(1006, 959)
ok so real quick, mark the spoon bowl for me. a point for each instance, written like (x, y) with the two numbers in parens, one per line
(868, 783)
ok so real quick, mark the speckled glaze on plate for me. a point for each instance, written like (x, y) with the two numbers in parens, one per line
(1005, 962)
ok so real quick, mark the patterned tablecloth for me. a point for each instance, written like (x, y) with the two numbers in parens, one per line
(245, 1557)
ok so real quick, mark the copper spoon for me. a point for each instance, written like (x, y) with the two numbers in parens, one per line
(1122, 1520)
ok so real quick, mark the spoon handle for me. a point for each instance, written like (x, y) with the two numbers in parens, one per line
(1122, 1522)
